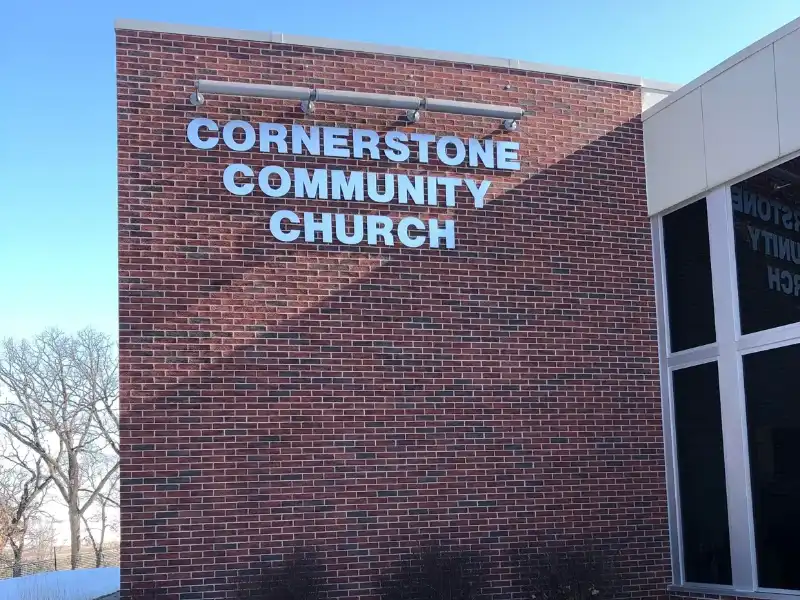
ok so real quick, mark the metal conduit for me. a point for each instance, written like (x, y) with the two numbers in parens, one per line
(510, 114)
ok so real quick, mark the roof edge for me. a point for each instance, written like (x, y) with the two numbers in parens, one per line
(457, 57)
(726, 64)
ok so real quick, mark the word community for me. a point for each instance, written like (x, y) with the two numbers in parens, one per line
(776, 245)
(276, 181)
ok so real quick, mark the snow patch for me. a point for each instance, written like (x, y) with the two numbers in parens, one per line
(81, 584)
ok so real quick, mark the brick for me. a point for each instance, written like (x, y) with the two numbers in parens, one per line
(366, 400)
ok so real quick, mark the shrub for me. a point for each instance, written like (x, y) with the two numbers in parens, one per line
(298, 577)
(566, 574)
(433, 574)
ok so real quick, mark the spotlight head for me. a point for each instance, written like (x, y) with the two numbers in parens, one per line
(307, 106)
(510, 124)
(412, 116)
(197, 99)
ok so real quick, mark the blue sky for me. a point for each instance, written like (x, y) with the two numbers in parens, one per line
(57, 103)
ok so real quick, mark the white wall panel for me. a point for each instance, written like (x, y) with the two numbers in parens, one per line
(674, 153)
(740, 118)
(787, 84)
(652, 97)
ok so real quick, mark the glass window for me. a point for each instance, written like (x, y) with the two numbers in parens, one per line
(773, 428)
(766, 219)
(701, 475)
(688, 273)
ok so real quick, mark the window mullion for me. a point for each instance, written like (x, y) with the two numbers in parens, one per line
(673, 500)
(734, 424)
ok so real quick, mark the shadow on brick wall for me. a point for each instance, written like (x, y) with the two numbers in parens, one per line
(499, 394)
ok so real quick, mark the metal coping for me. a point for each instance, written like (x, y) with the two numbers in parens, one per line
(743, 54)
(456, 57)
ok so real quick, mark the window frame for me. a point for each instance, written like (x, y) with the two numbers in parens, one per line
(727, 351)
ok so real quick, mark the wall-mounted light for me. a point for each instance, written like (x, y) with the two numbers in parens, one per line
(412, 116)
(308, 97)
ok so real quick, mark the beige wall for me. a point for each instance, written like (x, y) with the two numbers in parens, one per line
(733, 120)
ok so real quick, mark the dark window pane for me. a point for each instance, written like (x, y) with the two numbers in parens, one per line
(773, 430)
(688, 265)
(701, 475)
(766, 220)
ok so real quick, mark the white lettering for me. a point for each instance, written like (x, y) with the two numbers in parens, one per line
(442, 147)
(372, 188)
(229, 179)
(432, 182)
(301, 139)
(193, 133)
(450, 184)
(335, 142)
(283, 175)
(275, 226)
(379, 225)
(343, 188)
(397, 150)
(311, 227)
(481, 153)
(403, 234)
(272, 133)
(448, 233)
(736, 198)
(358, 230)
(364, 139)
(755, 233)
(230, 140)
(313, 187)
(406, 190)
(774, 278)
(507, 157)
(478, 192)
(422, 139)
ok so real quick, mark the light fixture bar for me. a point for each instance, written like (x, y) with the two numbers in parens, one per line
(366, 99)
(510, 114)
(472, 108)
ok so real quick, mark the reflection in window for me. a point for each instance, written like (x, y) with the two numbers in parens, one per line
(766, 217)
(773, 427)
(688, 272)
(701, 475)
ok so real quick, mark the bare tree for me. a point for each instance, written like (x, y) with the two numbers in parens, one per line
(63, 390)
(5, 521)
(101, 520)
(23, 488)
(41, 538)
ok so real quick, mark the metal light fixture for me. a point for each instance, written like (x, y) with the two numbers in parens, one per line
(510, 115)
(308, 106)
(197, 99)
(412, 116)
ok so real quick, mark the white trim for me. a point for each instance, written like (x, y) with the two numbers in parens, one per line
(726, 590)
(731, 391)
(667, 413)
(694, 356)
(456, 57)
(769, 339)
(731, 182)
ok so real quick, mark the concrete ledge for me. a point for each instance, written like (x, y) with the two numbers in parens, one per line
(456, 57)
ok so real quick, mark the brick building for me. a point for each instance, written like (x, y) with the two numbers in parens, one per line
(375, 298)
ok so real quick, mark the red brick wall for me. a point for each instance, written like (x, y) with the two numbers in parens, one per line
(365, 399)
